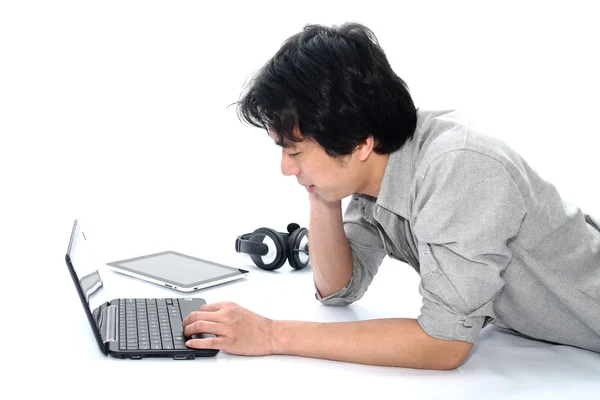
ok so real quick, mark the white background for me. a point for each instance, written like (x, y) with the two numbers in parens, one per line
(116, 113)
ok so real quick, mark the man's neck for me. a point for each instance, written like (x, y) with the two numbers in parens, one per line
(375, 175)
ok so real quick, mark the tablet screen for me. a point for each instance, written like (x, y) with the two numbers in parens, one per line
(176, 268)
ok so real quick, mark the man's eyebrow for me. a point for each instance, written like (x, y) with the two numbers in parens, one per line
(286, 144)
(283, 141)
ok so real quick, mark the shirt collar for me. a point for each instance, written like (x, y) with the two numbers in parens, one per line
(397, 181)
(395, 185)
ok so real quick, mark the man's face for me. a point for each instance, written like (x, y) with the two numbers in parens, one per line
(332, 179)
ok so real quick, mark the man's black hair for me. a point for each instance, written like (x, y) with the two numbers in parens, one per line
(337, 87)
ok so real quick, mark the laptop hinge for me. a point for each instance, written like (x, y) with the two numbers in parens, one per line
(107, 324)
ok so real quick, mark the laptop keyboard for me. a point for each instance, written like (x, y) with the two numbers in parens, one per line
(150, 324)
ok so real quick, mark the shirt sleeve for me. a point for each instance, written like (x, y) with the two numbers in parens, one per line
(467, 210)
(367, 254)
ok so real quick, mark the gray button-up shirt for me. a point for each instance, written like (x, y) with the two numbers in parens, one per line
(492, 240)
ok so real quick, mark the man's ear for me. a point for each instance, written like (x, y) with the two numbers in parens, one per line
(364, 150)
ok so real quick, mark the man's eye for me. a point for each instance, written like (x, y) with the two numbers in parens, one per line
(293, 154)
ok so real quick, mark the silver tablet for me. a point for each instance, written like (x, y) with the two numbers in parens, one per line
(177, 271)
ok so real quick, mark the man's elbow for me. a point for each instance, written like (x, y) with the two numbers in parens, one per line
(454, 355)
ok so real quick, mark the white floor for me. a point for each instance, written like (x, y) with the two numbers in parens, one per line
(117, 113)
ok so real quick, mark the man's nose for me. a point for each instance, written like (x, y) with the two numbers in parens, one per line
(288, 165)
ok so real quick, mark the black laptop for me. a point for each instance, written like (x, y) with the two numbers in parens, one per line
(130, 328)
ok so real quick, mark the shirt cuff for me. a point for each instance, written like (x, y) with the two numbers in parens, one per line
(446, 326)
(339, 298)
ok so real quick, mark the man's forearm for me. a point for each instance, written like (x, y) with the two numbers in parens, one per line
(389, 342)
(330, 254)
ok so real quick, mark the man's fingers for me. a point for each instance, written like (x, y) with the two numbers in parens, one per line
(204, 327)
(205, 343)
(215, 306)
(200, 316)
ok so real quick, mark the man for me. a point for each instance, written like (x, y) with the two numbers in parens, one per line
(492, 241)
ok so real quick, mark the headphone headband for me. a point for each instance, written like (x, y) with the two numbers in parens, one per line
(243, 245)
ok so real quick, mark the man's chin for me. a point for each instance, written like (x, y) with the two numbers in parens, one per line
(327, 197)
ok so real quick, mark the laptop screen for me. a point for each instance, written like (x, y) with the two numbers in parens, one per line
(86, 269)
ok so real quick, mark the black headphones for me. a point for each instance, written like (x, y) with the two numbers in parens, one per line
(270, 249)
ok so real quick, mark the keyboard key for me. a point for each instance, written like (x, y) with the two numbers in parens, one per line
(176, 326)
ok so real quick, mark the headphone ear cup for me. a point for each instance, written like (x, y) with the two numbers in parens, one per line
(297, 256)
(277, 254)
